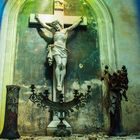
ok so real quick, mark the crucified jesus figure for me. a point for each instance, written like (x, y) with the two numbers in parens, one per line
(58, 50)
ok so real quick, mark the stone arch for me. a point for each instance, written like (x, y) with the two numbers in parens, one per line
(8, 43)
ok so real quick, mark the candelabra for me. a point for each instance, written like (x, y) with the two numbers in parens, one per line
(117, 84)
(60, 106)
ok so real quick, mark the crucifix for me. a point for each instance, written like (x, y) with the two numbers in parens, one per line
(57, 50)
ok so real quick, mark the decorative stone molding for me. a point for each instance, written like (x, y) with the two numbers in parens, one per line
(7, 50)
(105, 32)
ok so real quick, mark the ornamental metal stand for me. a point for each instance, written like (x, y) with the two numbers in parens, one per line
(61, 107)
(117, 84)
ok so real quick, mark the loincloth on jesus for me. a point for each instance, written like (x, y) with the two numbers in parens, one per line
(56, 50)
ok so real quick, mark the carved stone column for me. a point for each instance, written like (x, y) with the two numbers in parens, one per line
(10, 130)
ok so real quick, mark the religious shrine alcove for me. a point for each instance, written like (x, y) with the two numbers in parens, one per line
(88, 51)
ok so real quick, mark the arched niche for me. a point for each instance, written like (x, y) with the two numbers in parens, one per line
(8, 40)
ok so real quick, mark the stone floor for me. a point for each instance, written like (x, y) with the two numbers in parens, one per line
(81, 137)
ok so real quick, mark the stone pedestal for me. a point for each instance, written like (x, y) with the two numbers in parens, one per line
(10, 130)
(52, 127)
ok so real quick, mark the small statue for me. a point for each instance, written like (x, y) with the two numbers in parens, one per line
(58, 50)
(117, 85)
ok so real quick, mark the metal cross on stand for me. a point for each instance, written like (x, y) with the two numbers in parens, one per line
(59, 16)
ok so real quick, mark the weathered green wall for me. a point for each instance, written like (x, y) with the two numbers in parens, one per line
(124, 13)
(83, 67)
(29, 67)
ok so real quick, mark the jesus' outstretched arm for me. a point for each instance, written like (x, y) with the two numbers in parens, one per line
(75, 24)
(43, 23)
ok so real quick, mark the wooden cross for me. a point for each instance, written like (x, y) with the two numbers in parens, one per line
(58, 15)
